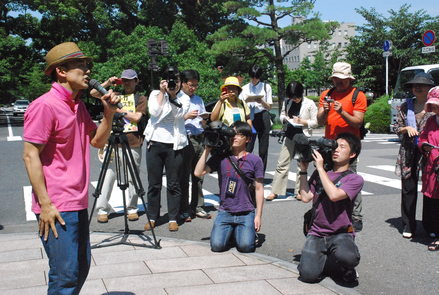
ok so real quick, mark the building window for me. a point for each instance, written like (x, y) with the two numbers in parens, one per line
(345, 32)
(339, 32)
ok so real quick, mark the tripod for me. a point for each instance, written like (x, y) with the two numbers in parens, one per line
(122, 162)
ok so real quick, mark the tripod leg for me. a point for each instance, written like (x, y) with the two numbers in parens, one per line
(102, 173)
(134, 174)
(122, 182)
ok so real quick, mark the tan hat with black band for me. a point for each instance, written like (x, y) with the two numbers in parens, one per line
(62, 53)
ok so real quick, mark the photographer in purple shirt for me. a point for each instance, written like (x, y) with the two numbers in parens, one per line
(239, 215)
(330, 249)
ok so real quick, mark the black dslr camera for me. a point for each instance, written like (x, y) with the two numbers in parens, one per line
(217, 135)
(170, 75)
(303, 149)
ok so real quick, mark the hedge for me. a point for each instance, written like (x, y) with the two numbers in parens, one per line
(378, 115)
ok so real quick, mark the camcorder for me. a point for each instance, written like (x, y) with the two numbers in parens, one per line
(303, 147)
(218, 135)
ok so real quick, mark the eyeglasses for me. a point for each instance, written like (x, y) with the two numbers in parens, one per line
(82, 64)
(194, 86)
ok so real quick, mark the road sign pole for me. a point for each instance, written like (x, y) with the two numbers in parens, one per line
(387, 75)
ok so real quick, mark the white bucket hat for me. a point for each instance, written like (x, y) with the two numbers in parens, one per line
(342, 70)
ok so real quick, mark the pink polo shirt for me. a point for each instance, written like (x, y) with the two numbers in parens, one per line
(63, 125)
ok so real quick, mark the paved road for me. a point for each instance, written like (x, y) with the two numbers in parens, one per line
(389, 264)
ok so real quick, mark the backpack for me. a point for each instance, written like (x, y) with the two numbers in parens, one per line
(363, 129)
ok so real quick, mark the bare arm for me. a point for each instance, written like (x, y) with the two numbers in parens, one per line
(259, 203)
(355, 120)
(49, 213)
(334, 193)
(201, 169)
(322, 114)
(304, 190)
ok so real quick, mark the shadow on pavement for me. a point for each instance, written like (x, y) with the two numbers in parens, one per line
(420, 236)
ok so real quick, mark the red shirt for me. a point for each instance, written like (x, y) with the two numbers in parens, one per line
(335, 123)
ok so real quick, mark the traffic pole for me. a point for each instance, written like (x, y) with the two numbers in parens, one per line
(387, 75)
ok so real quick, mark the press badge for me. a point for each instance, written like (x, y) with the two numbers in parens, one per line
(231, 187)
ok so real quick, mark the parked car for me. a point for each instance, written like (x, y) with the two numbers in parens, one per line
(20, 107)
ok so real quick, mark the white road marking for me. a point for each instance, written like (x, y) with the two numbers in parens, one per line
(11, 136)
(390, 168)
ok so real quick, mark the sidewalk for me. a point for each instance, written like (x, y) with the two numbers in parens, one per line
(180, 267)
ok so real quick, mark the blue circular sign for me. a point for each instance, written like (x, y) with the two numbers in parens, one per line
(429, 38)
(387, 44)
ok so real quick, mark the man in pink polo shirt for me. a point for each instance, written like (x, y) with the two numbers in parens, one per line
(57, 134)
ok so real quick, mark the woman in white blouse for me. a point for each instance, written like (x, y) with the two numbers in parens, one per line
(166, 137)
(258, 96)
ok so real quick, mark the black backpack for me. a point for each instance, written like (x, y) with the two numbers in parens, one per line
(363, 130)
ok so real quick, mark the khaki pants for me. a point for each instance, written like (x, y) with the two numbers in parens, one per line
(280, 180)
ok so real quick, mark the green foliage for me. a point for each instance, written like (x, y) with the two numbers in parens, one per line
(378, 115)
(404, 29)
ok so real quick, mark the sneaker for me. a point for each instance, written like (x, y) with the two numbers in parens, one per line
(407, 235)
(172, 226)
(133, 216)
(357, 224)
(271, 197)
(149, 227)
(102, 218)
(201, 213)
(432, 235)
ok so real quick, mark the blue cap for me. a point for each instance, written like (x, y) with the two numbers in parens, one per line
(129, 74)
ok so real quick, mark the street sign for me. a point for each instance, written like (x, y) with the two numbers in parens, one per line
(429, 49)
(387, 45)
(387, 53)
(429, 38)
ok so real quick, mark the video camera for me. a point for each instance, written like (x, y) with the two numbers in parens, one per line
(218, 135)
(303, 147)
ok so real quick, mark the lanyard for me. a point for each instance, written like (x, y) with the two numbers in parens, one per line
(229, 166)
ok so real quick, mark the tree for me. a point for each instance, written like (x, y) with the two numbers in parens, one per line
(261, 42)
(404, 29)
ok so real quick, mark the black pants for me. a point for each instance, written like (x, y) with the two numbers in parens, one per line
(262, 124)
(331, 255)
(430, 215)
(192, 153)
(159, 155)
(409, 195)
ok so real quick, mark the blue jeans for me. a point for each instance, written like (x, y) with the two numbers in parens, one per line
(331, 255)
(242, 225)
(69, 254)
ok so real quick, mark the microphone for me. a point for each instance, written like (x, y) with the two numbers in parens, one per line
(97, 85)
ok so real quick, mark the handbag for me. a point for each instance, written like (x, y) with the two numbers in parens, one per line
(308, 217)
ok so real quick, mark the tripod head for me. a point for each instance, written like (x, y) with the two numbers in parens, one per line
(118, 123)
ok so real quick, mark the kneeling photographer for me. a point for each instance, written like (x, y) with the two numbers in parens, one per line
(240, 176)
(330, 249)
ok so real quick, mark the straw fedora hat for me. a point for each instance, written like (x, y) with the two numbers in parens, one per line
(231, 81)
(61, 53)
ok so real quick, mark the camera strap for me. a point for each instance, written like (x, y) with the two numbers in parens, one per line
(319, 186)
(246, 179)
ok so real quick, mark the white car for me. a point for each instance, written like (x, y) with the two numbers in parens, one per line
(20, 107)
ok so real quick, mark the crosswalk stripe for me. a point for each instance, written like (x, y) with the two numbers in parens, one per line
(212, 199)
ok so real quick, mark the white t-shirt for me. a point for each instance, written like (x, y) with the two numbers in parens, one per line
(261, 88)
